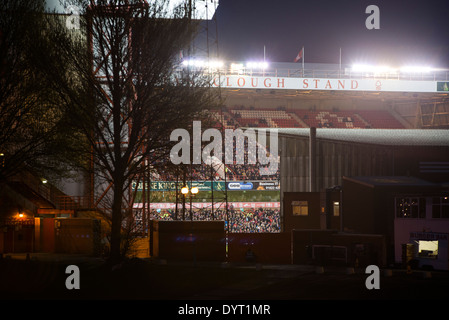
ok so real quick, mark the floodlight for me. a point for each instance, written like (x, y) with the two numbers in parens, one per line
(362, 68)
(184, 190)
(198, 63)
(236, 66)
(373, 69)
(257, 65)
(215, 64)
(416, 69)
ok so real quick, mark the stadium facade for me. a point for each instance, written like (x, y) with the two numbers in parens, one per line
(336, 125)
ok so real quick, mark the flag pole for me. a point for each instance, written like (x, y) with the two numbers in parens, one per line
(263, 74)
(303, 61)
(340, 60)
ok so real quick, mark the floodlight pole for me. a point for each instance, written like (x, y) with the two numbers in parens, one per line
(184, 197)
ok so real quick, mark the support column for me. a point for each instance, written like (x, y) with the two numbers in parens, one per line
(312, 160)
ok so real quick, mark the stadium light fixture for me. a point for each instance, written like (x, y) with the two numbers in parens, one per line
(237, 67)
(416, 69)
(257, 65)
(373, 69)
(198, 63)
(362, 68)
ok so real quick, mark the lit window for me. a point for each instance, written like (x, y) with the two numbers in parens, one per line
(411, 207)
(336, 208)
(428, 249)
(300, 208)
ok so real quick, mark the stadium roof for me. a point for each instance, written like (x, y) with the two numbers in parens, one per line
(388, 137)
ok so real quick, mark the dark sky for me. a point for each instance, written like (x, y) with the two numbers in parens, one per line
(411, 32)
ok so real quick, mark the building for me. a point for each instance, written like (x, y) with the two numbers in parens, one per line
(411, 213)
(350, 180)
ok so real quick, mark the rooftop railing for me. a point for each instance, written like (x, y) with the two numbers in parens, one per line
(320, 71)
(442, 75)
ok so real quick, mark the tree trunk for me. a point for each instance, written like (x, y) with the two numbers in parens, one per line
(116, 254)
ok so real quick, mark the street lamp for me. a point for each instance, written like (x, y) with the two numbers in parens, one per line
(193, 192)
(184, 191)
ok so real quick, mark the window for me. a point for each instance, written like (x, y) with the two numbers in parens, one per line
(300, 208)
(336, 208)
(427, 249)
(411, 207)
(440, 207)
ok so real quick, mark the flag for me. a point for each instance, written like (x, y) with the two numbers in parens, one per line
(299, 56)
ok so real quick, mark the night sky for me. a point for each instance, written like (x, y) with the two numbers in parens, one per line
(411, 32)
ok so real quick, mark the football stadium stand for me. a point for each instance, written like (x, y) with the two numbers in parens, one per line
(233, 117)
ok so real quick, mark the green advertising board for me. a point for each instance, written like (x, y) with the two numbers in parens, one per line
(443, 86)
(207, 185)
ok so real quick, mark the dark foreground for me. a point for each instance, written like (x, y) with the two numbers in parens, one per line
(138, 279)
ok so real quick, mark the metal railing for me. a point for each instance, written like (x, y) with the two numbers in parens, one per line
(72, 203)
(338, 74)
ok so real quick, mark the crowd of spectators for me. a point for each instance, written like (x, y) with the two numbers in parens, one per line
(240, 220)
(248, 169)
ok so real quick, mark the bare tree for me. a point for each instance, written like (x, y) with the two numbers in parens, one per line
(126, 91)
(32, 130)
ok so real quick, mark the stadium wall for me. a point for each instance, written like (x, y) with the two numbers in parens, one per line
(172, 241)
(328, 247)
(268, 248)
(187, 240)
(334, 159)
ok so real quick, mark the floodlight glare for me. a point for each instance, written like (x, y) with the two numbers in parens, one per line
(416, 69)
(184, 190)
(362, 68)
(197, 63)
(257, 65)
(215, 64)
(236, 66)
(373, 69)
